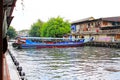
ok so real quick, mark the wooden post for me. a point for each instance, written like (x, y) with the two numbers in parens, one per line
(1, 44)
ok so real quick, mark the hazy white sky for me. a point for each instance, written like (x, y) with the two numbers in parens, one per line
(71, 10)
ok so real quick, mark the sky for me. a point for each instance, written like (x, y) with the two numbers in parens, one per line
(32, 10)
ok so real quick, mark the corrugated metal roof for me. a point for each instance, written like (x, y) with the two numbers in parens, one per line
(115, 19)
(82, 20)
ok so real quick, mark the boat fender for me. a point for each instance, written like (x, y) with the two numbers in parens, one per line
(22, 78)
(13, 58)
(22, 73)
(19, 69)
(17, 63)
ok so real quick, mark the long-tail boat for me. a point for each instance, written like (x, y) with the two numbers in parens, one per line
(37, 42)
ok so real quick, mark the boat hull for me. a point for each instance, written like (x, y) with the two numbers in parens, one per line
(25, 46)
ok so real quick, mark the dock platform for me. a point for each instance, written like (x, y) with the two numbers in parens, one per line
(103, 44)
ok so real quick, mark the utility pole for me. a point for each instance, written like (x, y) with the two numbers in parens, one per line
(1, 40)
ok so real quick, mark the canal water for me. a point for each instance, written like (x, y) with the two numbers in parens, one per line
(80, 63)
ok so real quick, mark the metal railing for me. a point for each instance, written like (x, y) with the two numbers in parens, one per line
(112, 31)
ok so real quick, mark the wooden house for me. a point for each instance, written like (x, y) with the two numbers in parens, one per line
(102, 29)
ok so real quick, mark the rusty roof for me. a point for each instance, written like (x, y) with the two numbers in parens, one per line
(83, 20)
(114, 19)
(89, 19)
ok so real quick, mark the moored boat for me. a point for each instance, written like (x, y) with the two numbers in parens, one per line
(37, 42)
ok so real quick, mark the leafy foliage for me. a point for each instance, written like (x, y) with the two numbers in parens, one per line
(11, 32)
(55, 27)
(35, 29)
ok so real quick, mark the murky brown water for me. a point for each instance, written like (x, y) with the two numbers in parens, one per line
(81, 63)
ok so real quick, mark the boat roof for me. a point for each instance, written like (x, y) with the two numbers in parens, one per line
(45, 38)
(42, 38)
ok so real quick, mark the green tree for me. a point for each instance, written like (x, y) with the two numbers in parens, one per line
(55, 27)
(35, 29)
(11, 32)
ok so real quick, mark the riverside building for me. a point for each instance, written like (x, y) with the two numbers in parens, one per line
(102, 29)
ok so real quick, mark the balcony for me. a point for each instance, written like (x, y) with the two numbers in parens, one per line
(112, 31)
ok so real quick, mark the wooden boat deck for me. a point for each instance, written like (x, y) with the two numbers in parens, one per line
(10, 71)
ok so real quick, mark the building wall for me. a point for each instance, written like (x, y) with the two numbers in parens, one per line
(117, 37)
(105, 23)
(103, 38)
(94, 27)
(89, 26)
(77, 28)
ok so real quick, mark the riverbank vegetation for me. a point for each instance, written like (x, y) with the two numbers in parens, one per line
(35, 28)
(11, 32)
(54, 27)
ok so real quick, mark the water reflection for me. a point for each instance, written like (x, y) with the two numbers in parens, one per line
(81, 63)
